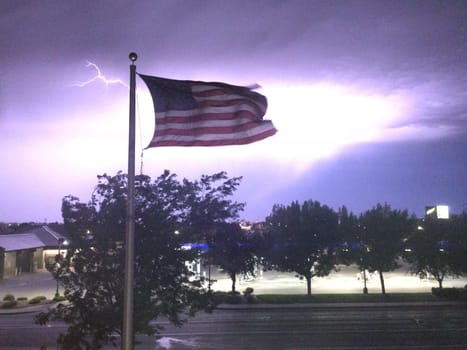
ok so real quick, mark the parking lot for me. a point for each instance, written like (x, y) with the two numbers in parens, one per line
(346, 280)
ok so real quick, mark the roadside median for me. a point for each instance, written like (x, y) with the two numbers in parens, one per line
(229, 301)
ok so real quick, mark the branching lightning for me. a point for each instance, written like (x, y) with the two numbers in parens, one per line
(99, 76)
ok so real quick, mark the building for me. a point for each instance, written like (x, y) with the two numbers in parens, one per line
(29, 251)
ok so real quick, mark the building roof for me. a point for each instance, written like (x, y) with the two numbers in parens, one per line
(20, 241)
(48, 236)
(35, 237)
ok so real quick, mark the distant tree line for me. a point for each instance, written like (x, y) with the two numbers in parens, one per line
(311, 239)
(307, 238)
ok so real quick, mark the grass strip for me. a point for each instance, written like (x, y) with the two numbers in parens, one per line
(345, 298)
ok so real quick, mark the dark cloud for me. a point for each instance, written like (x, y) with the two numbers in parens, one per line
(409, 52)
(405, 175)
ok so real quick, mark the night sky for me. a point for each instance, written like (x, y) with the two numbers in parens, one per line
(369, 98)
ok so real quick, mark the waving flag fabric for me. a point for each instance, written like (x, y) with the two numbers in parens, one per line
(195, 113)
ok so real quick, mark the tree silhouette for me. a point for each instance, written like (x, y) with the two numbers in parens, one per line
(233, 251)
(438, 248)
(380, 238)
(303, 239)
(92, 272)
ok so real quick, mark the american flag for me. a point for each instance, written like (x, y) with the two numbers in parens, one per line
(195, 113)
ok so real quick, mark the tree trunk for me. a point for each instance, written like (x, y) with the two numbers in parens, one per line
(308, 285)
(381, 278)
(234, 279)
(365, 289)
(440, 283)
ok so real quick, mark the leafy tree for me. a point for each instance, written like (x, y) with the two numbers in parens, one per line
(438, 248)
(348, 232)
(352, 250)
(303, 238)
(92, 272)
(380, 239)
(458, 243)
(233, 251)
(209, 205)
(5, 228)
(210, 218)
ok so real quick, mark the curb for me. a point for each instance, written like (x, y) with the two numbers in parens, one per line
(27, 309)
(339, 305)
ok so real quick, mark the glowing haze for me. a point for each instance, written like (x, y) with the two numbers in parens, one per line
(369, 99)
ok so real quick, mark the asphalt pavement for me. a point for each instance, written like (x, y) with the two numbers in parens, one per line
(264, 316)
(29, 285)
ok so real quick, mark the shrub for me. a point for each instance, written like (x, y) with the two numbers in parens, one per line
(9, 304)
(22, 298)
(59, 298)
(248, 291)
(9, 297)
(37, 300)
(249, 297)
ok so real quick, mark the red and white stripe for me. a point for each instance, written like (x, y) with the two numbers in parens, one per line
(224, 116)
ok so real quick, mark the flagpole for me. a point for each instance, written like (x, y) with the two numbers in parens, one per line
(127, 326)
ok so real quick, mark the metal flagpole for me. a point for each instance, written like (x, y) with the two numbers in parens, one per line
(127, 326)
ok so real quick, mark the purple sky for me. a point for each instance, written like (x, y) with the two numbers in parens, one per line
(369, 97)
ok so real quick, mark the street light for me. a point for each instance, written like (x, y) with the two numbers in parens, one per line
(365, 289)
(58, 258)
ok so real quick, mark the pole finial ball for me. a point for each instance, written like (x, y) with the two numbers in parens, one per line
(133, 56)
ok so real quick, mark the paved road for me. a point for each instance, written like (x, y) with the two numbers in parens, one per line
(272, 329)
(18, 331)
(395, 327)
(291, 328)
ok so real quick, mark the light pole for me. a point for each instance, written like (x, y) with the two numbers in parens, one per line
(58, 258)
(365, 289)
(209, 276)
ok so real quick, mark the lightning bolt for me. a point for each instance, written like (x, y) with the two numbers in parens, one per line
(99, 76)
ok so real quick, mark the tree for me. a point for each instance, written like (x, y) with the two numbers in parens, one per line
(92, 272)
(458, 243)
(233, 251)
(348, 232)
(352, 250)
(380, 239)
(209, 205)
(438, 248)
(303, 238)
(211, 219)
